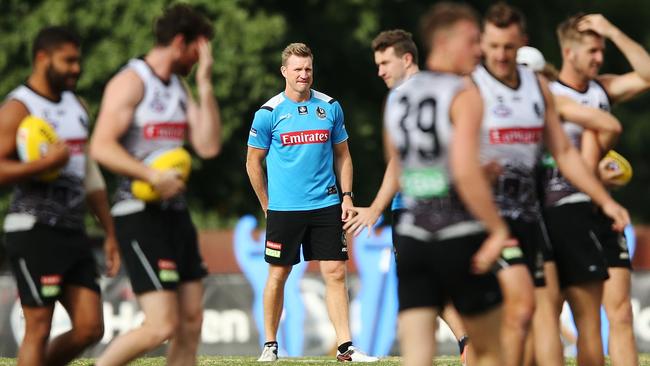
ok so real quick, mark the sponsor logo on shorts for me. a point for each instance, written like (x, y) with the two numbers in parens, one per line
(50, 285)
(305, 137)
(344, 243)
(166, 264)
(511, 253)
(505, 136)
(165, 130)
(168, 272)
(272, 253)
(273, 249)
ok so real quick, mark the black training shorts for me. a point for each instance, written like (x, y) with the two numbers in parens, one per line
(320, 232)
(578, 252)
(430, 274)
(159, 248)
(44, 259)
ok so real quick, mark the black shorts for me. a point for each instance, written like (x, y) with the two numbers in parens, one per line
(319, 231)
(578, 252)
(531, 239)
(547, 247)
(159, 248)
(395, 217)
(45, 259)
(614, 243)
(430, 274)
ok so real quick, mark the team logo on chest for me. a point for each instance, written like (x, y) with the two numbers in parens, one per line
(502, 111)
(302, 110)
(160, 99)
(320, 112)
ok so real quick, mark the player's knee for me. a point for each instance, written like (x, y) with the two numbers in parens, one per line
(38, 331)
(192, 322)
(89, 334)
(334, 272)
(278, 275)
(621, 315)
(520, 313)
(162, 332)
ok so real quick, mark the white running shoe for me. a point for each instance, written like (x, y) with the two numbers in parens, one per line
(269, 353)
(354, 355)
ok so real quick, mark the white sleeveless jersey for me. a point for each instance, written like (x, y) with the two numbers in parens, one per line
(512, 135)
(60, 202)
(159, 122)
(418, 122)
(558, 190)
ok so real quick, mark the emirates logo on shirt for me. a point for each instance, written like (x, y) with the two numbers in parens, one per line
(520, 135)
(76, 146)
(165, 130)
(305, 137)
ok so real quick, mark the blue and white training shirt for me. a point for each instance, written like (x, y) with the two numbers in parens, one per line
(299, 138)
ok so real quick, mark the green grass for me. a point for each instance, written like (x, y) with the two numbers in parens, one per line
(303, 361)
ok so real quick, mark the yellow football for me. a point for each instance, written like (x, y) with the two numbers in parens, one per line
(33, 138)
(616, 162)
(177, 158)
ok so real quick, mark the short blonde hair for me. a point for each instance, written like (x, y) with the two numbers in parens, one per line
(296, 49)
(567, 31)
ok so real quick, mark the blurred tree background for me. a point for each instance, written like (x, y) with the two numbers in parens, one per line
(249, 36)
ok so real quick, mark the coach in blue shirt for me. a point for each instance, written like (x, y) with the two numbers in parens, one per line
(301, 135)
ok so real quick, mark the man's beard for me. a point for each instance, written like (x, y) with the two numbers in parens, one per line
(60, 82)
(182, 69)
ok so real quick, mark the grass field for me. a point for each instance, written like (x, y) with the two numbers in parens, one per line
(305, 361)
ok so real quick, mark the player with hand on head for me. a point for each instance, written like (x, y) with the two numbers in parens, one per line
(146, 109)
(582, 39)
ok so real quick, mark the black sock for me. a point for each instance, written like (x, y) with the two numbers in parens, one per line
(462, 342)
(272, 343)
(344, 346)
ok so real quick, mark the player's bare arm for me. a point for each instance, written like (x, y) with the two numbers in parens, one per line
(590, 150)
(97, 200)
(204, 117)
(12, 170)
(572, 166)
(366, 217)
(607, 128)
(255, 169)
(122, 95)
(626, 86)
(469, 178)
(343, 170)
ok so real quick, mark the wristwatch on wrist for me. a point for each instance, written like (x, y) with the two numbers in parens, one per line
(348, 194)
